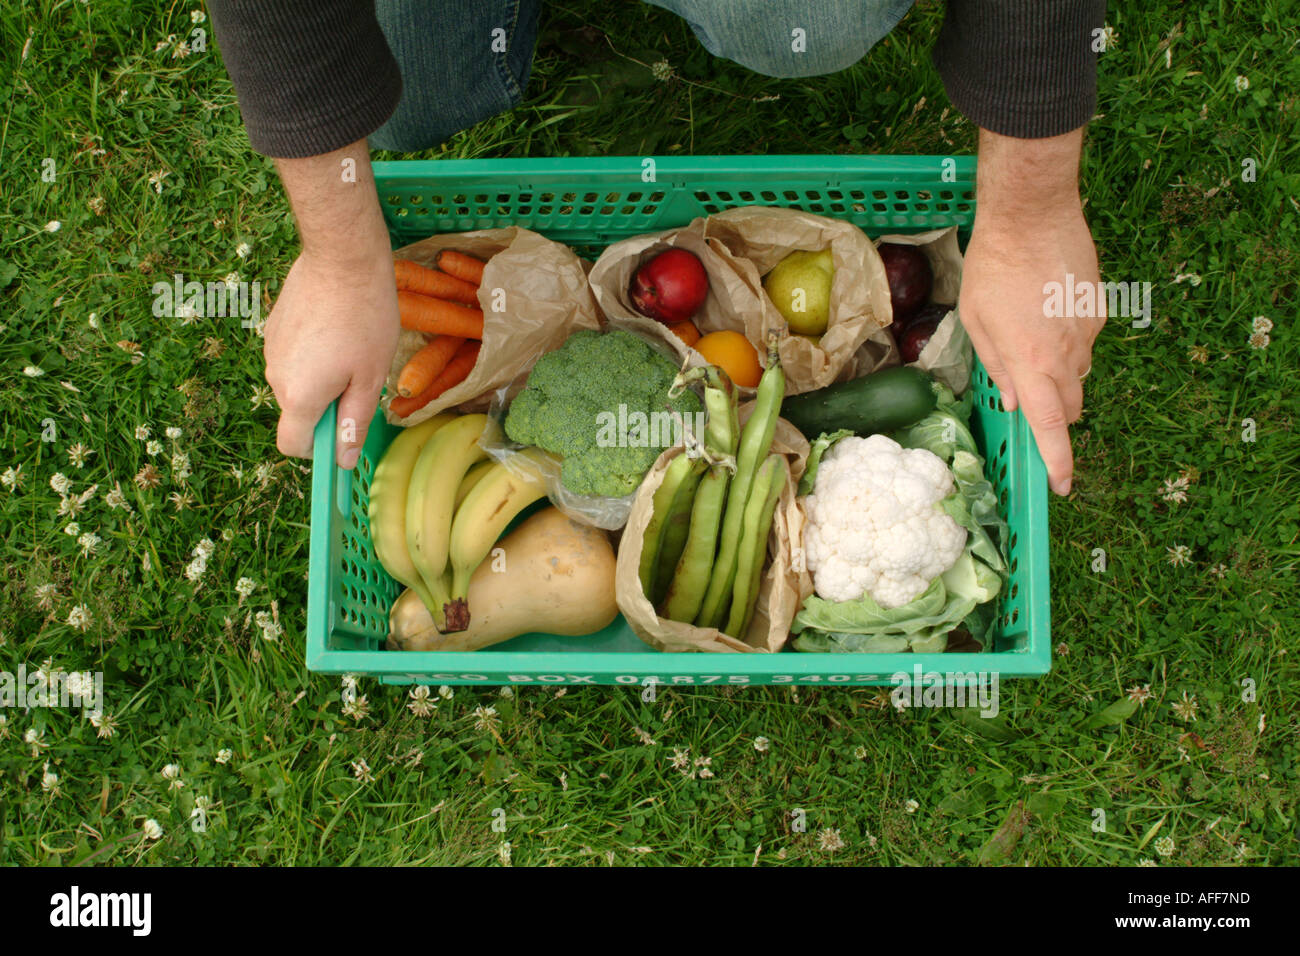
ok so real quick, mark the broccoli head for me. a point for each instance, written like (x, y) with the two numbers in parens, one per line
(600, 401)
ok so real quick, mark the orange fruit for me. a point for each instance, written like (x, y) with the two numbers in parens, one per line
(686, 331)
(732, 353)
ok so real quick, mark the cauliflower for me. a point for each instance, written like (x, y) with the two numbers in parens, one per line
(875, 525)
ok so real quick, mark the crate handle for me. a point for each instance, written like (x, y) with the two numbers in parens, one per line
(323, 456)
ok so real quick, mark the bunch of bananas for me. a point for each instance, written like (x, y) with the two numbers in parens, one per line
(437, 506)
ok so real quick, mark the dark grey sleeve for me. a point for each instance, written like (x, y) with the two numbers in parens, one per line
(311, 75)
(1023, 68)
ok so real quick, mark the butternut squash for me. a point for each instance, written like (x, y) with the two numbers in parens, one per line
(552, 575)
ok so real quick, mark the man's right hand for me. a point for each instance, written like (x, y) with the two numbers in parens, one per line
(333, 330)
(331, 334)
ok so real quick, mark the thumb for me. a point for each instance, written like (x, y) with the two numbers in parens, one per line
(357, 406)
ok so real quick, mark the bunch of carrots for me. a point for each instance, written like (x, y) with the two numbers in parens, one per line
(443, 303)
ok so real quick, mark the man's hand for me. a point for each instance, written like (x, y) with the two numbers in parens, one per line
(333, 330)
(1029, 231)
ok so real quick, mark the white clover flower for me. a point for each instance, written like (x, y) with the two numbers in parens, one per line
(79, 617)
(1241, 83)
(420, 704)
(261, 396)
(53, 225)
(11, 477)
(271, 629)
(142, 432)
(361, 770)
(1179, 554)
(153, 448)
(829, 840)
(105, 724)
(204, 549)
(243, 249)
(224, 755)
(445, 692)
(1109, 39)
(1165, 846)
(911, 806)
(89, 543)
(174, 433)
(152, 830)
(49, 781)
(45, 595)
(762, 744)
(60, 483)
(181, 466)
(115, 499)
(1262, 323)
(244, 587)
(196, 569)
(156, 179)
(72, 529)
(32, 371)
(78, 454)
(1259, 340)
(93, 320)
(197, 16)
(231, 280)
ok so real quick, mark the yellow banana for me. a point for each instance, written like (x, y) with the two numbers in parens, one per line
(387, 509)
(491, 504)
(437, 475)
(472, 478)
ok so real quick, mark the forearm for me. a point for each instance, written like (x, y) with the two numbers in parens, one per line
(1023, 184)
(334, 201)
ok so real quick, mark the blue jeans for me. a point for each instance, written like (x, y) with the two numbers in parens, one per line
(463, 62)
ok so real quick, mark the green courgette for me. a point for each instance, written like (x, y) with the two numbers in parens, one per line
(880, 402)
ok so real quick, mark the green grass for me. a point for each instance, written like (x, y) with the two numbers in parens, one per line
(589, 775)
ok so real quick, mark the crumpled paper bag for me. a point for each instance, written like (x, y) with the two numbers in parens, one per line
(859, 304)
(534, 294)
(784, 584)
(735, 290)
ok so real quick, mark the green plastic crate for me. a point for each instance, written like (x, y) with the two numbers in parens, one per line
(589, 203)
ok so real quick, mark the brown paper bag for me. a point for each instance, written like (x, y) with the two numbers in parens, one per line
(533, 295)
(781, 591)
(735, 292)
(859, 304)
(948, 356)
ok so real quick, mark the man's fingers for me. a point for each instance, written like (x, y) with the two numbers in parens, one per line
(993, 364)
(1045, 412)
(356, 409)
(1071, 392)
(294, 435)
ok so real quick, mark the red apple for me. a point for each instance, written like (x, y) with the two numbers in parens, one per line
(910, 278)
(671, 287)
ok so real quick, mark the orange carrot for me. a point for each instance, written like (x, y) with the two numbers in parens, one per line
(439, 317)
(455, 372)
(460, 265)
(413, 277)
(423, 367)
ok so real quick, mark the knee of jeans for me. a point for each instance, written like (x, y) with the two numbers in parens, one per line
(788, 38)
(427, 118)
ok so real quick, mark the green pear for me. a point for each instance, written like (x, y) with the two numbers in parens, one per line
(800, 288)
